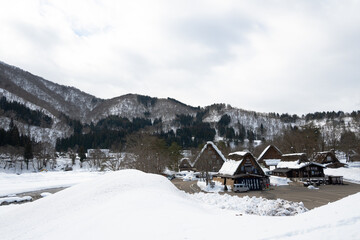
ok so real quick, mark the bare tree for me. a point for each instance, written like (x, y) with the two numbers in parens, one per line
(44, 153)
(151, 152)
(114, 163)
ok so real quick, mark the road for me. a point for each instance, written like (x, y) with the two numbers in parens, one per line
(311, 198)
(187, 186)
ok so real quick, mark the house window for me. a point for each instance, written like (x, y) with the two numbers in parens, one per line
(328, 158)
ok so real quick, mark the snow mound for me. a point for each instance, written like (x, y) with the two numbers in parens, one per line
(45, 194)
(217, 187)
(252, 205)
(130, 204)
(115, 203)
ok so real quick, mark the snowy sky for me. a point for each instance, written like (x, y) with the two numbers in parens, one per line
(267, 56)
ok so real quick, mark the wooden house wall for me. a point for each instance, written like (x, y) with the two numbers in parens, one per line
(249, 165)
(271, 153)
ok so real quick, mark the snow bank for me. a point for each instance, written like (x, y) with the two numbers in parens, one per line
(12, 183)
(218, 187)
(8, 200)
(252, 205)
(130, 204)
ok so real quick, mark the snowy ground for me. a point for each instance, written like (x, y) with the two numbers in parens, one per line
(130, 204)
(11, 183)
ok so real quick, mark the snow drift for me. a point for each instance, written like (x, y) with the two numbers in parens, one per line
(130, 204)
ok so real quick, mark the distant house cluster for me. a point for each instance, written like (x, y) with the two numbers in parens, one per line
(243, 168)
(237, 167)
(298, 166)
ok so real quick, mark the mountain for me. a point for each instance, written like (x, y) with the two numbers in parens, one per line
(64, 104)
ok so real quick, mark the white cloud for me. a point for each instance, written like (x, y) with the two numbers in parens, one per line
(259, 55)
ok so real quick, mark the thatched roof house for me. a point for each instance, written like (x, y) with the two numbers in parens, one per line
(210, 158)
(241, 167)
(328, 159)
(270, 157)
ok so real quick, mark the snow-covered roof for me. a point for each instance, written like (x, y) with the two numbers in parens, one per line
(296, 164)
(184, 159)
(266, 149)
(229, 167)
(215, 148)
(272, 162)
(240, 153)
(291, 164)
(293, 154)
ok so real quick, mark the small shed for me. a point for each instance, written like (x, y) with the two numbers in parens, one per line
(330, 179)
(210, 158)
(98, 153)
(328, 159)
(270, 157)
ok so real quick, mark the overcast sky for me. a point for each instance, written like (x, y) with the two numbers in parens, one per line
(267, 56)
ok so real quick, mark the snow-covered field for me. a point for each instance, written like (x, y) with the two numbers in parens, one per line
(12, 183)
(130, 204)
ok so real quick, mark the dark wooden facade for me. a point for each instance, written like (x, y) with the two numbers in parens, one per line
(210, 159)
(309, 170)
(248, 165)
(328, 158)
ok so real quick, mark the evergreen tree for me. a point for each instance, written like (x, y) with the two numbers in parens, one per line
(28, 153)
(81, 153)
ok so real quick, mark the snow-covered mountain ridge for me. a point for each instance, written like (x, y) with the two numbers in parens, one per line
(57, 101)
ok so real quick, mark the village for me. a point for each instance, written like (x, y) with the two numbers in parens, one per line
(241, 173)
(242, 167)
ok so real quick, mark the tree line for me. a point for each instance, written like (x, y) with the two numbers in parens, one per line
(107, 133)
(23, 114)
